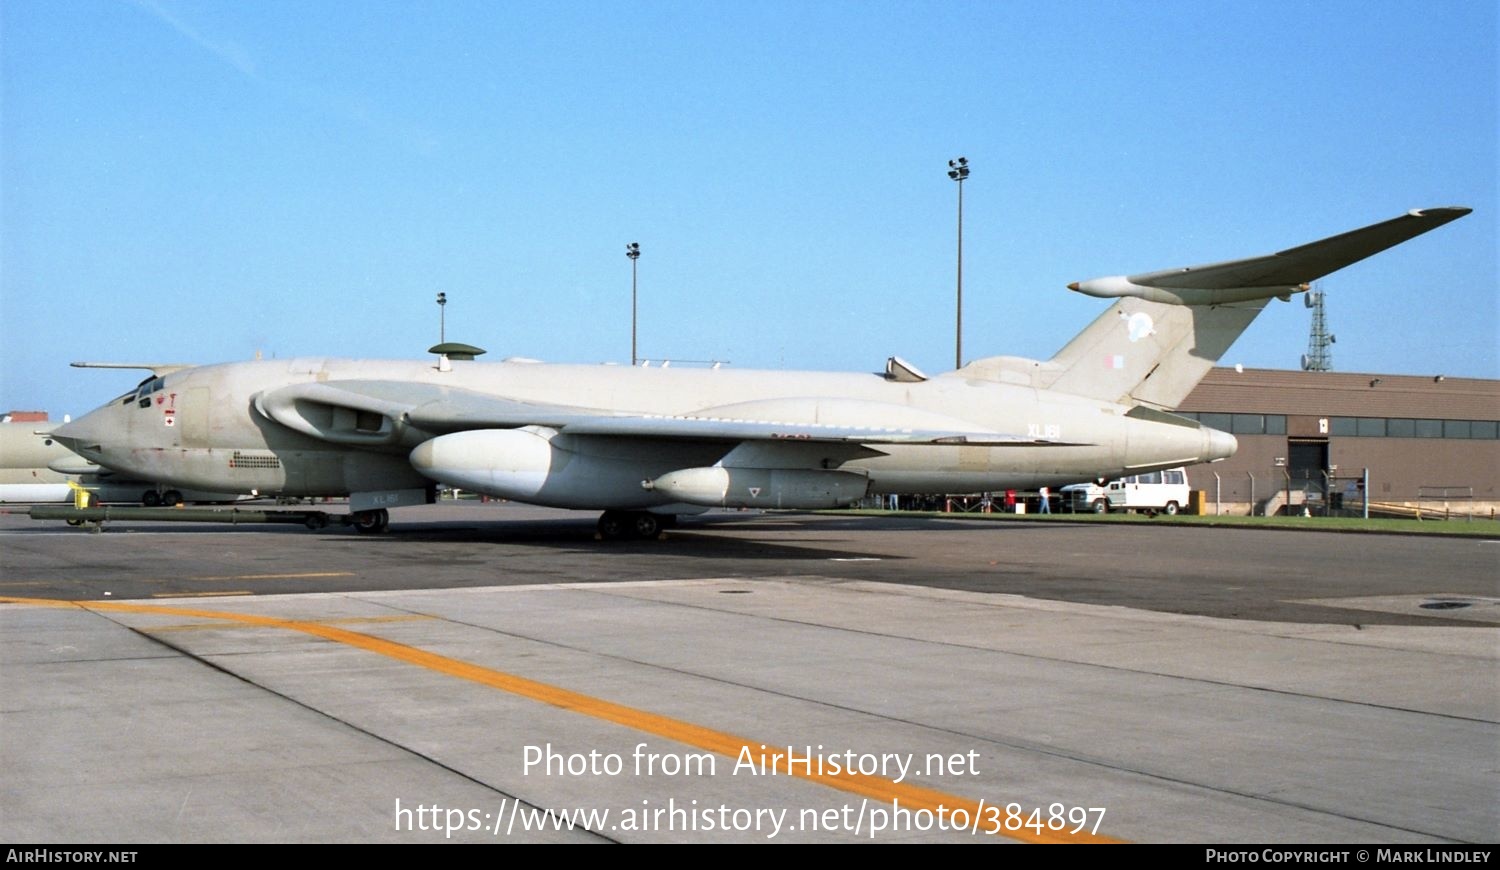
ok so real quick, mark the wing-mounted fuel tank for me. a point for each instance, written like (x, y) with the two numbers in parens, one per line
(538, 465)
(805, 489)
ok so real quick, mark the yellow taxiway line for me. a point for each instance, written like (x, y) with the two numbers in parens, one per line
(913, 797)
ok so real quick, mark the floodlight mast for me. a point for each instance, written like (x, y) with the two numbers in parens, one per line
(633, 251)
(958, 170)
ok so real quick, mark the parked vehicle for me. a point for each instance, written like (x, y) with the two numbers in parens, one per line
(1164, 491)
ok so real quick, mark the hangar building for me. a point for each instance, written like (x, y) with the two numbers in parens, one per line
(1305, 438)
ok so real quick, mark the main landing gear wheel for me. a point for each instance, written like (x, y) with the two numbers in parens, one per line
(171, 498)
(629, 525)
(645, 525)
(372, 522)
(151, 498)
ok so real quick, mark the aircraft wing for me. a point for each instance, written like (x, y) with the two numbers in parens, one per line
(693, 427)
(157, 369)
(1304, 263)
(350, 412)
(777, 420)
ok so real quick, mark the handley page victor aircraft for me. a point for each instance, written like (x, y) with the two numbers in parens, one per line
(645, 444)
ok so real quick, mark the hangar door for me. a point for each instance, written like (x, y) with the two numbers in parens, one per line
(1306, 465)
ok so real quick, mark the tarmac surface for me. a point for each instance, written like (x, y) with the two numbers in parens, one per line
(492, 673)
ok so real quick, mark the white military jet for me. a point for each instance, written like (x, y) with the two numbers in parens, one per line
(26, 454)
(35, 468)
(645, 444)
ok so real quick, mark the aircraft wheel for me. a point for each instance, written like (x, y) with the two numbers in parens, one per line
(372, 522)
(151, 498)
(1101, 506)
(1171, 509)
(645, 525)
(614, 525)
(171, 498)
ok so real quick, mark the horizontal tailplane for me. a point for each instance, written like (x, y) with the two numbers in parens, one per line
(1169, 327)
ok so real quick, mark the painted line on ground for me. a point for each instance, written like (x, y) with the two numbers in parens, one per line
(912, 797)
(308, 575)
(218, 625)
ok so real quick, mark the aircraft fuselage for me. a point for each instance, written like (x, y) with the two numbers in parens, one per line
(642, 441)
(209, 428)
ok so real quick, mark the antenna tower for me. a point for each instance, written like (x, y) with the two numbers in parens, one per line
(1319, 356)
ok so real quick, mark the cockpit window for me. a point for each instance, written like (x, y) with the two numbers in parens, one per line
(143, 392)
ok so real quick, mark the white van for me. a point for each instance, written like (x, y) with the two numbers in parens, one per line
(1165, 491)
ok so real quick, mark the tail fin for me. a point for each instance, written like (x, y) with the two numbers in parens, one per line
(1148, 353)
(1168, 328)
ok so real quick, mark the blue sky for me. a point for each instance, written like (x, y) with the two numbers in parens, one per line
(199, 181)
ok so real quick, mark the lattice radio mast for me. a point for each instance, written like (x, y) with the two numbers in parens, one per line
(1319, 356)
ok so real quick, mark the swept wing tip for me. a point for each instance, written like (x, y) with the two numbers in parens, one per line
(1455, 211)
(156, 368)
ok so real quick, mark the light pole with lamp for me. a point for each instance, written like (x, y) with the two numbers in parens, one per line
(633, 251)
(958, 170)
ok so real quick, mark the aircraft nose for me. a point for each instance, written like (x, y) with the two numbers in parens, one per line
(84, 436)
